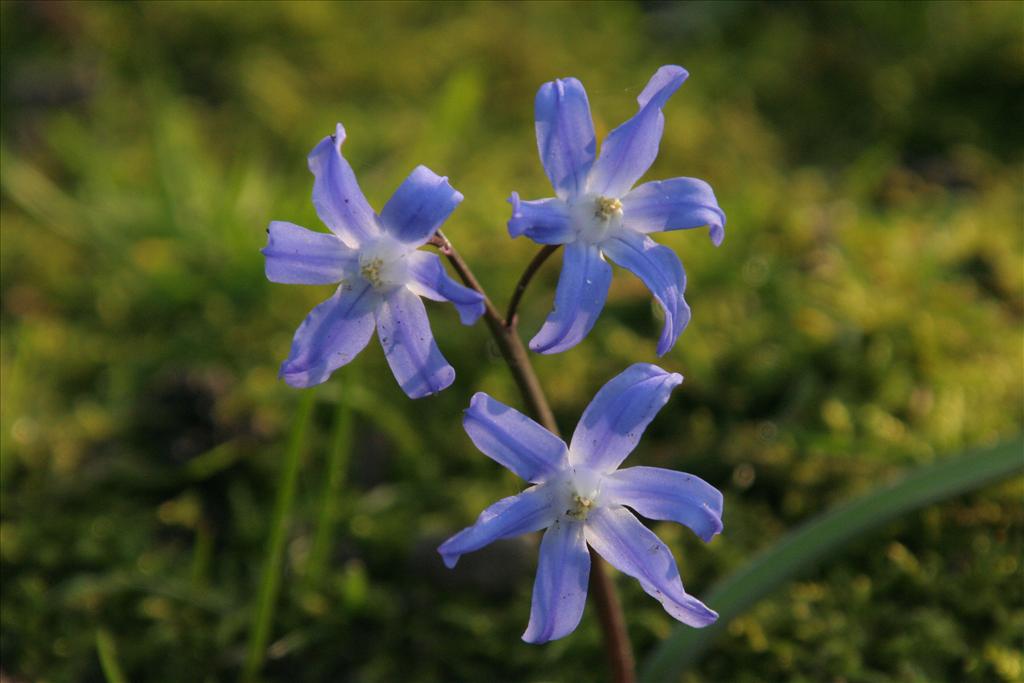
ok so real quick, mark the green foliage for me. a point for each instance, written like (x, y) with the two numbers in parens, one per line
(822, 536)
(863, 316)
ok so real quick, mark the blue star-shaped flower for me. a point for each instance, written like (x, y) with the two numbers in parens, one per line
(580, 495)
(596, 213)
(381, 272)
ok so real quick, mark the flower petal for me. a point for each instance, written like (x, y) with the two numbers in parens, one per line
(545, 221)
(336, 195)
(560, 589)
(658, 493)
(409, 345)
(630, 149)
(419, 206)
(615, 420)
(661, 271)
(331, 335)
(531, 510)
(633, 549)
(429, 279)
(565, 135)
(513, 440)
(297, 256)
(675, 204)
(579, 298)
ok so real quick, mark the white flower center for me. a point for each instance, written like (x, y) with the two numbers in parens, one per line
(595, 218)
(383, 263)
(580, 493)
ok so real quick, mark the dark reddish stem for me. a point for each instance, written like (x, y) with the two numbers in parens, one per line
(531, 270)
(602, 590)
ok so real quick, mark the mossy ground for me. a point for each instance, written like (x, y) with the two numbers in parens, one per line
(864, 315)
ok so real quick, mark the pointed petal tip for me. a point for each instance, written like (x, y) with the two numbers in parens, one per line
(666, 344)
(707, 617)
(439, 383)
(674, 378)
(548, 347)
(336, 138)
(712, 532)
(476, 405)
(457, 196)
(717, 234)
(449, 559)
(516, 225)
(665, 81)
(535, 638)
(469, 318)
(339, 134)
(298, 379)
(675, 71)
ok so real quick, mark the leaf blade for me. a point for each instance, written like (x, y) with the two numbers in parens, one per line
(805, 546)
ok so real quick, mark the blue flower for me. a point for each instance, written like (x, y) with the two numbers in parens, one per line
(382, 275)
(580, 496)
(597, 215)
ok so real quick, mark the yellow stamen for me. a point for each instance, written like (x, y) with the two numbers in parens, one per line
(581, 508)
(607, 207)
(371, 271)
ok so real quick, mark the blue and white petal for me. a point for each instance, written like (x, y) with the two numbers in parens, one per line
(529, 511)
(419, 206)
(429, 279)
(662, 272)
(560, 588)
(615, 420)
(409, 345)
(545, 221)
(297, 256)
(579, 299)
(675, 204)
(630, 149)
(633, 549)
(565, 135)
(661, 494)
(513, 440)
(336, 195)
(331, 335)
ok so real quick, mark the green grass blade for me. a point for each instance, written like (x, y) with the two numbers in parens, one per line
(337, 459)
(107, 651)
(807, 545)
(271, 581)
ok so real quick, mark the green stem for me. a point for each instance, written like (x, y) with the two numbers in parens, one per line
(337, 460)
(201, 554)
(106, 649)
(271, 581)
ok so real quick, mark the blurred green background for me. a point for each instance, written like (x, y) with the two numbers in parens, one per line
(863, 316)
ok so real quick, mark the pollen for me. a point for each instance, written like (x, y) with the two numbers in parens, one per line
(606, 207)
(371, 271)
(580, 507)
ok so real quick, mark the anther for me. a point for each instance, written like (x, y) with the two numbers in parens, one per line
(606, 207)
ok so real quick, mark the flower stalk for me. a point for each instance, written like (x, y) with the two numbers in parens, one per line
(506, 335)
